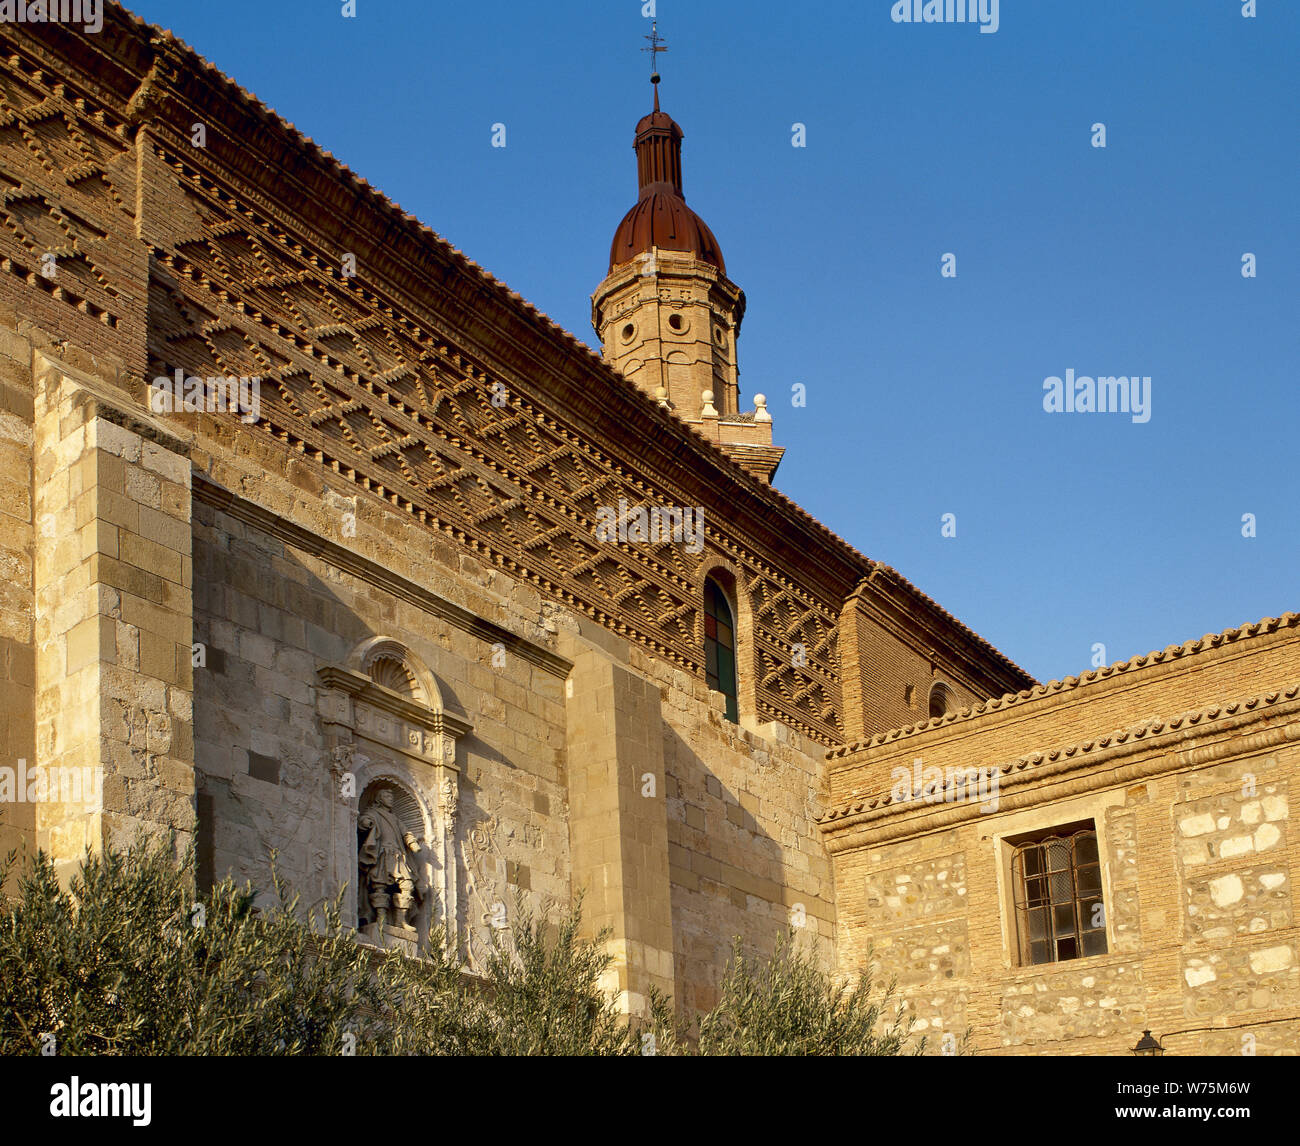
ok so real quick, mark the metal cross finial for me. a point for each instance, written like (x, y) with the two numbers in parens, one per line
(657, 45)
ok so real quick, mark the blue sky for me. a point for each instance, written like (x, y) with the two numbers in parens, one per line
(924, 393)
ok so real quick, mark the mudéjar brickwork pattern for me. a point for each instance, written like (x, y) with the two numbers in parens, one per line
(362, 376)
(389, 580)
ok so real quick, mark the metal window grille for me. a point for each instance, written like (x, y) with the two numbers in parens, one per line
(1059, 909)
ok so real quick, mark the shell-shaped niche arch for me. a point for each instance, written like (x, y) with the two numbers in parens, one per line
(391, 665)
(393, 674)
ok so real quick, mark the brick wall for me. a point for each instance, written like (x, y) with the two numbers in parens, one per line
(1165, 684)
(1193, 819)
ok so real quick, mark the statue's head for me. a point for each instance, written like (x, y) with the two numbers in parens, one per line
(384, 798)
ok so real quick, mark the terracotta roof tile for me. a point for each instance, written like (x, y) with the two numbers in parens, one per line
(1037, 759)
(382, 202)
(1172, 652)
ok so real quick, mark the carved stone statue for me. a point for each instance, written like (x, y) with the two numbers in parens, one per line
(391, 882)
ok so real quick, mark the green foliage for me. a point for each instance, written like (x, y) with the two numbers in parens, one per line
(128, 960)
(543, 994)
(788, 1005)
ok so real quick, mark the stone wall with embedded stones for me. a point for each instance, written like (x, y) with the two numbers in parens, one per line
(1234, 865)
(1198, 854)
(1102, 1001)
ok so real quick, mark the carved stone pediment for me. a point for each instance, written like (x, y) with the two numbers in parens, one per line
(360, 686)
(385, 740)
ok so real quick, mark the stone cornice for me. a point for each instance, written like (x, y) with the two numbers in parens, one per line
(373, 574)
(99, 400)
(361, 687)
(1093, 764)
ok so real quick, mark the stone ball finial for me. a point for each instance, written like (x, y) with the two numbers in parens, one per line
(661, 396)
(760, 408)
(708, 410)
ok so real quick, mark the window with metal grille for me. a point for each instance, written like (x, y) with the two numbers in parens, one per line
(1057, 885)
(720, 646)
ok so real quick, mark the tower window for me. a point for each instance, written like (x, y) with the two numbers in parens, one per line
(720, 646)
(675, 321)
(1057, 885)
(628, 331)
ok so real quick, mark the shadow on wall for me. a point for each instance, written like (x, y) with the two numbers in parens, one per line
(269, 617)
(726, 873)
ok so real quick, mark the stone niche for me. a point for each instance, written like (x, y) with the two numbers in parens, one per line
(392, 746)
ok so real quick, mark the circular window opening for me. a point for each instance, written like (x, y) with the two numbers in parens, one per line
(628, 331)
(718, 336)
(675, 321)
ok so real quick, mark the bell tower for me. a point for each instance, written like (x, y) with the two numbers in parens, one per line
(667, 315)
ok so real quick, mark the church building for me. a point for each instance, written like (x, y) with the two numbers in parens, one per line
(318, 539)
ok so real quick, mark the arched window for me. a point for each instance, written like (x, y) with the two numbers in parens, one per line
(720, 646)
(941, 700)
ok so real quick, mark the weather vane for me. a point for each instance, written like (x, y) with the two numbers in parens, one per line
(657, 45)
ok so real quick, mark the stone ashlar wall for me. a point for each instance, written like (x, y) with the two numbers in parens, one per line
(723, 844)
(17, 594)
(269, 616)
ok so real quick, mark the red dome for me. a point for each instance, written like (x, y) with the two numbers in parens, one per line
(661, 217)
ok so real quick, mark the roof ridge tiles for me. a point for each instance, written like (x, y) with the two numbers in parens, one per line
(727, 464)
(1152, 727)
(1170, 652)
